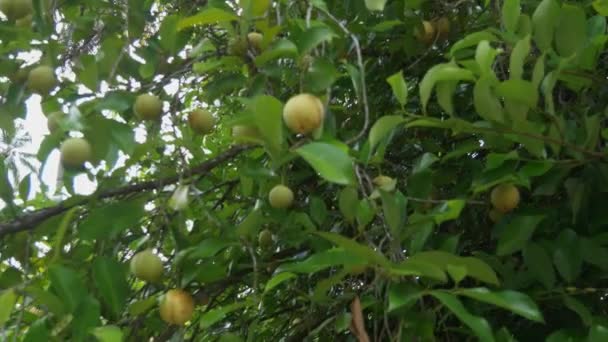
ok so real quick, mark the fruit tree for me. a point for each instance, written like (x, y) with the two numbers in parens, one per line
(303, 170)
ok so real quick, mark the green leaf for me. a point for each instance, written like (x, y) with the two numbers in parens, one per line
(141, 306)
(110, 280)
(485, 56)
(520, 91)
(208, 248)
(402, 296)
(331, 162)
(86, 316)
(580, 309)
(539, 263)
(601, 7)
(321, 75)
(510, 14)
(108, 333)
(513, 301)
(38, 331)
(267, 112)
(216, 315)
(472, 39)
(394, 208)
(448, 210)
(399, 87)
(382, 127)
(68, 286)
(278, 279)
(360, 250)
(445, 92)
(516, 233)
(282, 48)
(322, 260)
(105, 222)
(87, 72)
(209, 15)
(539, 71)
(439, 73)
(486, 102)
(312, 37)
(8, 299)
(348, 201)
(567, 255)
(46, 299)
(544, 20)
(518, 58)
(420, 268)
(577, 193)
(168, 33)
(475, 267)
(375, 5)
(597, 333)
(571, 33)
(479, 325)
(250, 224)
(594, 253)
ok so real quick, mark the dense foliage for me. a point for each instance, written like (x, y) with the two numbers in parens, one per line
(442, 178)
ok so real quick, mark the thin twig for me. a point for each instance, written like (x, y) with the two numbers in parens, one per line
(362, 71)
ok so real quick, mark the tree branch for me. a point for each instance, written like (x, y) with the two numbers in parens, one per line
(30, 220)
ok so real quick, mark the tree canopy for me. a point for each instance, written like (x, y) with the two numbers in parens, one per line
(303, 170)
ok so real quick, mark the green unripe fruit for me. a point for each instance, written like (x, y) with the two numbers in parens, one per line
(16, 9)
(265, 239)
(75, 152)
(53, 121)
(24, 22)
(255, 40)
(147, 266)
(303, 113)
(201, 121)
(280, 197)
(148, 107)
(41, 80)
(176, 307)
(237, 47)
(505, 198)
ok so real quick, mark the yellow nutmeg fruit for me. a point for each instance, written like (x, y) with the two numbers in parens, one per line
(41, 80)
(505, 198)
(147, 266)
(148, 107)
(280, 197)
(75, 152)
(427, 33)
(176, 307)
(201, 121)
(303, 113)
(255, 40)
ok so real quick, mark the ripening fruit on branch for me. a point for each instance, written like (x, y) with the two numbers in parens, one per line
(16, 9)
(505, 197)
(176, 307)
(265, 239)
(75, 152)
(385, 183)
(427, 33)
(147, 266)
(442, 26)
(53, 121)
(255, 40)
(41, 80)
(303, 113)
(201, 121)
(280, 197)
(148, 107)
(237, 46)
(24, 22)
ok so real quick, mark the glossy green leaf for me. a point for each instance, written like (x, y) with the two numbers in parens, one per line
(439, 73)
(539, 263)
(581, 310)
(278, 280)
(448, 210)
(544, 21)
(597, 333)
(110, 279)
(348, 201)
(519, 91)
(323, 260)
(375, 5)
(210, 15)
(282, 48)
(485, 56)
(402, 296)
(567, 255)
(479, 325)
(510, 14)
(445, 92)
(382, 127)
(8, 299)
(399, 87)
(516, 234)
(475, 267)
(520, 53)
(267, 112)
(104, 222)
(358, 249)
(571, 33)
(331, 162)
(108, 333)
(86, 317)
(68, 285)
(485, 100)
(471, 40)
(215, 315)
(38, 331)
(513, 301)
